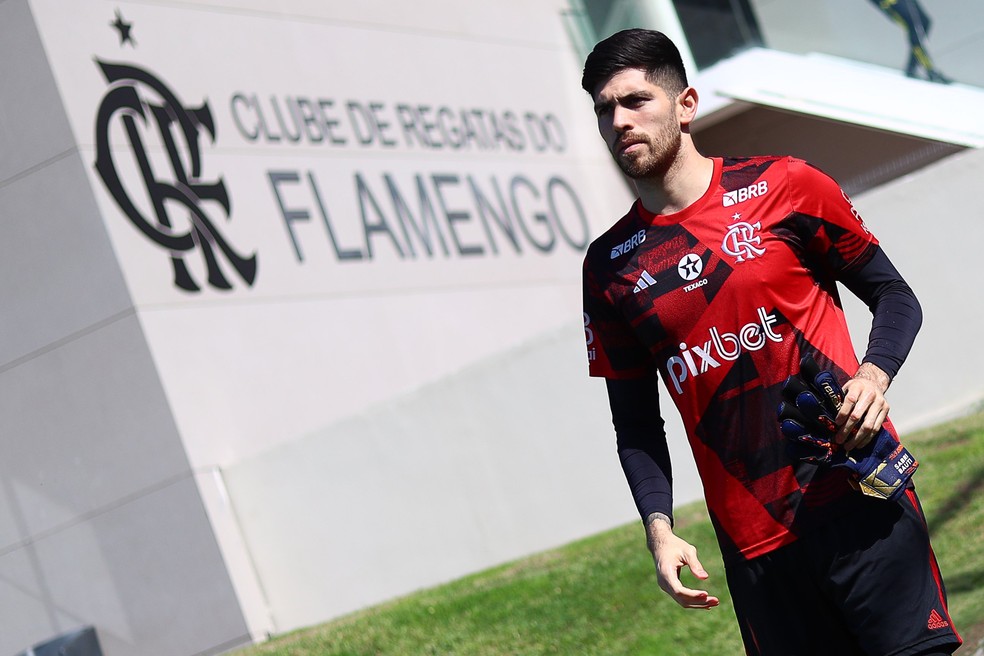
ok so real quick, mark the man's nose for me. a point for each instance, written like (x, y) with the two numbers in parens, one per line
(621, 119)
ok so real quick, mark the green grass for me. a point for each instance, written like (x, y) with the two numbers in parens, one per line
(599, 596)
(950, 483)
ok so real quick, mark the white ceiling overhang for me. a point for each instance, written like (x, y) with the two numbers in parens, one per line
(843, 90)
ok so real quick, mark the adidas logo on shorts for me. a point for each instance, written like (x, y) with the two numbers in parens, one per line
(935, 621)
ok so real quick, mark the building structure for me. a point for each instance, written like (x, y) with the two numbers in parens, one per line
(291, 290)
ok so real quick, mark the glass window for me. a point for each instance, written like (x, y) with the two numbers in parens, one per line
(717, 29)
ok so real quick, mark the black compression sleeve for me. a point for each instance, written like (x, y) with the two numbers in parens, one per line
(641, 440)
(896, 314)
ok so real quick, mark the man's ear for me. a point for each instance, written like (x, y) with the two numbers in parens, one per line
(687, 106)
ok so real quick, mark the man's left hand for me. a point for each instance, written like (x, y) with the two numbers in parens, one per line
(864, 408)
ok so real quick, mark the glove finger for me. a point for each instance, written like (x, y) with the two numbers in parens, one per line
(809, 368)
(788, 410)
(793, 422)
(816, 442)
(796, 432)
(794, 386)
(815, 412)
(792, 428)
(800, 443)
(829, 390)
(807, 452)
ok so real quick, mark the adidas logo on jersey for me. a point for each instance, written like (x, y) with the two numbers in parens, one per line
(645, 280)
(741, 195)
(936, 621)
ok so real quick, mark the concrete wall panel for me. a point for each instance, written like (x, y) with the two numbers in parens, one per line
(930, 224)
(58, 268)
(33, 125)
(85, 425)
(511, 456)
(145, 572)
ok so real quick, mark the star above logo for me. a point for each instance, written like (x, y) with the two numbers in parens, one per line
(735, 216)
(123, 28)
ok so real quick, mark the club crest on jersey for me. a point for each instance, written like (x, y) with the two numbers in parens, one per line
(742, 240)
(629, 244)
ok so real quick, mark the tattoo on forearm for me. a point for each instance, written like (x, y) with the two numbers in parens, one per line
(650, 522)
(658, 516)
(873, 373)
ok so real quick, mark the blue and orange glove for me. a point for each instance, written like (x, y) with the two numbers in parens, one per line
(807, 416)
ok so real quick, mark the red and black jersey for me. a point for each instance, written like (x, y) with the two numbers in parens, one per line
(722, 299)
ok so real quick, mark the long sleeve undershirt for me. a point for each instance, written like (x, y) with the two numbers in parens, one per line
(639, 429)
(896, 314)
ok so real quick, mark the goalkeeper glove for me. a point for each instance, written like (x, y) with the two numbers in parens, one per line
(807, 416)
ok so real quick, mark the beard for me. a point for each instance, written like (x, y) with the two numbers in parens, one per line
(658, 155)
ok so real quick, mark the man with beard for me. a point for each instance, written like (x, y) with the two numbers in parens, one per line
(720, 279)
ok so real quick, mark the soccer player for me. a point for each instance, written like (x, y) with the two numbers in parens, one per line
(719, 279)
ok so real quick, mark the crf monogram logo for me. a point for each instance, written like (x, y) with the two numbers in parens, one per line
(170, 209)
(741, 241)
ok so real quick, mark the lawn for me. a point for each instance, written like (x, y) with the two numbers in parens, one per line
(598, 596)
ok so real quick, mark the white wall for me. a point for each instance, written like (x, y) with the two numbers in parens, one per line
(165, 392)
(100, 519)
(505, 458)
(929, 223)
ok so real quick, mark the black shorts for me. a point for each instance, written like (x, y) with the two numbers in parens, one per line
(866, 584)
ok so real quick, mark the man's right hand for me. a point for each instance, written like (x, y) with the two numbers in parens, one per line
(671, 554)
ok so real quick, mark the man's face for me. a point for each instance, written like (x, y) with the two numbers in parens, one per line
(638, 122)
